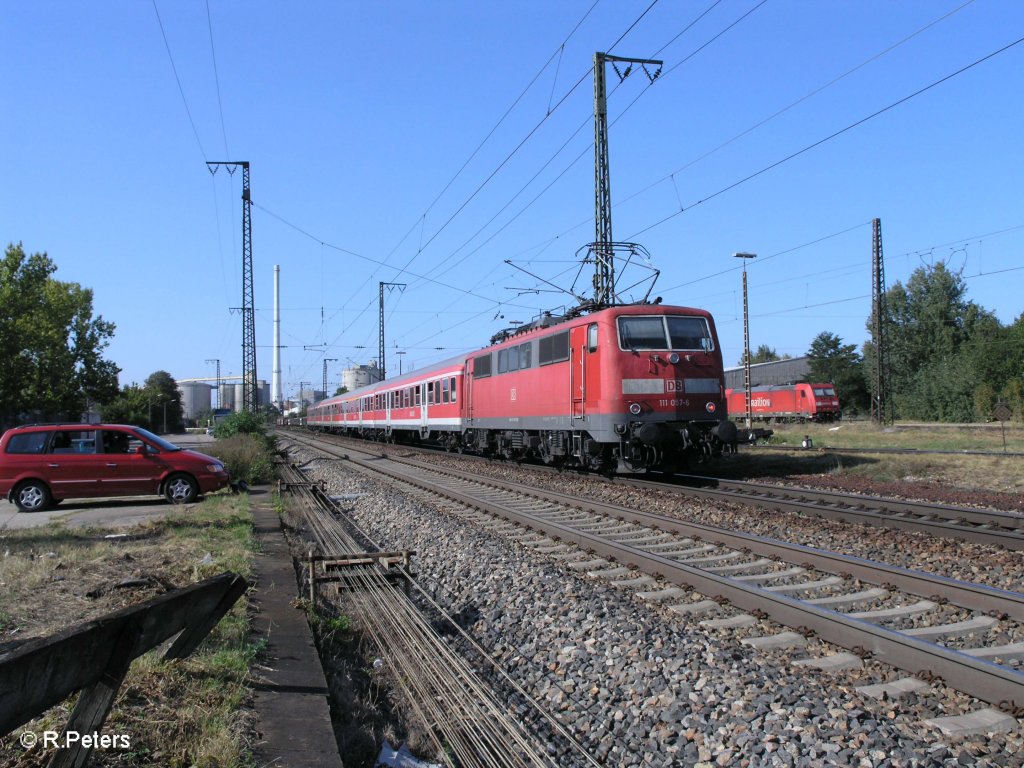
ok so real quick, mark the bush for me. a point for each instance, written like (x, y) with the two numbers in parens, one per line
(249, 458)
(242, 422)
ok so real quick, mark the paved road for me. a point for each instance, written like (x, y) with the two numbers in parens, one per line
(122, 512)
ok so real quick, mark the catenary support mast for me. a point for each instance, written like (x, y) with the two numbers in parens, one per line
(250, 397)
(381, 362)
(603, 248)
(881, 395)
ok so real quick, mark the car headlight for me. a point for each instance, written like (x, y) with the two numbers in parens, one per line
(215, 468)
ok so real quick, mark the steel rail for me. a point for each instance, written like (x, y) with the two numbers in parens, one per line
(433, 677)
(953, 512)
(991, 527)
(978, 597)
(1011, 539)
(984, 680)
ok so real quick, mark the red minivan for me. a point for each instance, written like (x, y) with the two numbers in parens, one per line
(46, 463)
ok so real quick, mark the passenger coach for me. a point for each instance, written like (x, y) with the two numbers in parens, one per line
(627, 388)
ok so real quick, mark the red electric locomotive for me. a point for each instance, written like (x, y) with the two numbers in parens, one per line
(787, 402)
(627, 388)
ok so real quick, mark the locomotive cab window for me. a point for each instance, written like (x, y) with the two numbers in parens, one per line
(592, 337)
(689, 333)
(663, 333)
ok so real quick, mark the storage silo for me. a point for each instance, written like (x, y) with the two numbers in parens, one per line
(195, 398)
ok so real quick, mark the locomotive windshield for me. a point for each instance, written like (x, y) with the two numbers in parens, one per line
(664, 332)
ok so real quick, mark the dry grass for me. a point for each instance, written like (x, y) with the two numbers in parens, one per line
(181, 713)
(784, 457)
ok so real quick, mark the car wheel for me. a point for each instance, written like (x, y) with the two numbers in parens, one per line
(32, 496)
(181, 489)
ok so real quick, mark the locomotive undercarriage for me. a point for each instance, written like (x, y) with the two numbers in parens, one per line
(640, 447)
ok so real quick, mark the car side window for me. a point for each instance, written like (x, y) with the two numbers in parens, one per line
(73, 441)
(115, 442)
(28, 442)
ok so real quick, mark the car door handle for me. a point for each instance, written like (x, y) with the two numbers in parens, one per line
(53, 466)
(114, 466)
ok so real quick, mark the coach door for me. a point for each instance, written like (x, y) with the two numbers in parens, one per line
(584, 370)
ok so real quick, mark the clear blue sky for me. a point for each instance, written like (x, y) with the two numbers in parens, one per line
(357, 118)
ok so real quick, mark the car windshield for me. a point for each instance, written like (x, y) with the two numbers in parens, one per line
(664, 332)
(164, 445)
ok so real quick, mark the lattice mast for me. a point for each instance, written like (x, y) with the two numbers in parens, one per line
(250, 393)
(881, 394)
(603, 247)
(380, 361)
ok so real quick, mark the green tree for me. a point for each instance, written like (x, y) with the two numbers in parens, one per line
(131, 406)
(763, 354)
(941, 346)
(51, 346)
(165, 401)
(832, 361)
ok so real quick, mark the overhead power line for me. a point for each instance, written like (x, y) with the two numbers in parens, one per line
(178, 81)
(828, 138)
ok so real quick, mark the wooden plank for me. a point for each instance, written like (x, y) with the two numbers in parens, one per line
(42, 672)
(94, 704)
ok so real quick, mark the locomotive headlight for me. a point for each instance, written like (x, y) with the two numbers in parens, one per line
(673, 358)
(635, 409)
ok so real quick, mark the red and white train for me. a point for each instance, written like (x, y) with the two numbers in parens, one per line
(786, 402)
(627, 388)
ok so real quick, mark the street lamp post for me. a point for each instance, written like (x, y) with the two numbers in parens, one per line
(746, 339)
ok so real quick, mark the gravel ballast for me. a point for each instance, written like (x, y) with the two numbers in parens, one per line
(640, 685)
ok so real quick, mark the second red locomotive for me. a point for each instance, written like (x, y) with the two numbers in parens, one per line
(787, 402)
(626, 388)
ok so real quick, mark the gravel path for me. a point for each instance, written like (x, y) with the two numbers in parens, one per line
(640, 685)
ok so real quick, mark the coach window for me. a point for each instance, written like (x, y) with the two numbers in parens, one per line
(452, 387)
(592, 337)
(416, 391)
(444, 390)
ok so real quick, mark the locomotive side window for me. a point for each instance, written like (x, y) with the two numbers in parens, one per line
(525, 356)
(502, 361)
(452, 387)
(554, 348)
(513, 359)
(592, 337)
(689, 333)
(482, 366)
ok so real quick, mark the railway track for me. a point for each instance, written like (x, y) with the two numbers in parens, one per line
(983, 526)
(467, 722)
(921, 623)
